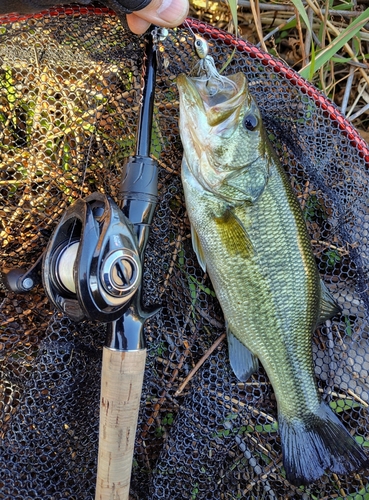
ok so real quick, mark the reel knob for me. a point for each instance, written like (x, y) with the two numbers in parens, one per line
(119, 273)
(92, 266)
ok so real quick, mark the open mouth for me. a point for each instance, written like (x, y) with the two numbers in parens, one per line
(222, 97)
(218, 90)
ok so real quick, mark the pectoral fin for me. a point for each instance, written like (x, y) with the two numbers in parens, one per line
(196, 245)
(234, 235)
(328, 304)
(242, 361)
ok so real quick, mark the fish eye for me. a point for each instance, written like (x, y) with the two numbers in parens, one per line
(250, 122)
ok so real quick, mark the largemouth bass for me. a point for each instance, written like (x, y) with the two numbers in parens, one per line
(249, 234)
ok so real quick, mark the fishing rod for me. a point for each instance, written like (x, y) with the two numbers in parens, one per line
(92, 270)
(125, 353)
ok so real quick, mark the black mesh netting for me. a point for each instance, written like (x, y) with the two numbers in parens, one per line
(69, 89)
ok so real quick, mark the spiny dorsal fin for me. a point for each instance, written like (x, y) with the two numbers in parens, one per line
(242, 361)
(233, 235)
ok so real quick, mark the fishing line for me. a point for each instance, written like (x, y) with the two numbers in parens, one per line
(205, 71)
(206, 66)
(68, 256)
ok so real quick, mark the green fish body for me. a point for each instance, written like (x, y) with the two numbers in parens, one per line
(249, 234)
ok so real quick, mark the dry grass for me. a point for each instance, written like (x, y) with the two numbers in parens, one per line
(278, 28)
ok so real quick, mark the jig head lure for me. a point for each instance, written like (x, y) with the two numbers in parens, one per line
(206, 70)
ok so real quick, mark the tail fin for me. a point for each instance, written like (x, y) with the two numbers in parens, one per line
(317, 443)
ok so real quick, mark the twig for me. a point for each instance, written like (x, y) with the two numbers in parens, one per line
(301, 37)
(354, 64)
(347, 93)
(318, 43)
(308, 36)
(177, 247)
(166, 167)
(325, 33)
(289, 8)
(332, 363)
(12, 181)
(254, 4)
(169, 384)
(9, 320)
(256, 467)
(355, 396)
(199, 364)
(278, 28)
(341, 250)
(202, 312)
(305, 195)
(355, 102)
(360, 112)
(267, 6)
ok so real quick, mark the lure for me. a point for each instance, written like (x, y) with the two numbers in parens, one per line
(206, 71)
(201, 46)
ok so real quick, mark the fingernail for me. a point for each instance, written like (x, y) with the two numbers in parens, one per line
(172, 11)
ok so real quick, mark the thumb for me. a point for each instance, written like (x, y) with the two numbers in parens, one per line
(166, 13)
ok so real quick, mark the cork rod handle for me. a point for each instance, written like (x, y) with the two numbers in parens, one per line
(121, 386)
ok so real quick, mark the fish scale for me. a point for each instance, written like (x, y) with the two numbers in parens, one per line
(278, 283)
(249, 234)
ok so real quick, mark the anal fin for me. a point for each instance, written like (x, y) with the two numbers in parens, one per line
(242, 361)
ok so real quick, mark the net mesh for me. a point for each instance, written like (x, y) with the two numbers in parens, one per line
(69, 96)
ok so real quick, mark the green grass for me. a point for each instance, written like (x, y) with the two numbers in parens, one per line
(326, 41)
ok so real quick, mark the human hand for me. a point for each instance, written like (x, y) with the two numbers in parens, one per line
(165, 13)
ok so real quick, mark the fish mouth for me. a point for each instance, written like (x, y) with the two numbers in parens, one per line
(210, 111)
(219, 100)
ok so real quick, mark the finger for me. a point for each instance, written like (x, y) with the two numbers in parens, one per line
(136, 24)
(166, 13)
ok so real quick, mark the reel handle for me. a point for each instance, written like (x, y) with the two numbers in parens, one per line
(121, 386)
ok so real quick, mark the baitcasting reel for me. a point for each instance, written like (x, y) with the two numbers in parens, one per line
(91, 267)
